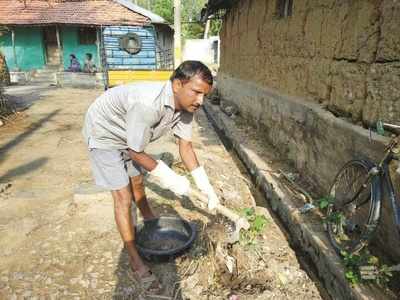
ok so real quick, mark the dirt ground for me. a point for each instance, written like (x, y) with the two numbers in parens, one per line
(56, 245)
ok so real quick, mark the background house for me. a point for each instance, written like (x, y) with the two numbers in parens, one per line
(205, 50)
(43, 34)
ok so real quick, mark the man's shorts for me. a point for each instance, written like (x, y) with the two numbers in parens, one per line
(112, 168)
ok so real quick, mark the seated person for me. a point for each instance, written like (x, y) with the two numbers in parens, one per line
(89, 66)
(74, 66)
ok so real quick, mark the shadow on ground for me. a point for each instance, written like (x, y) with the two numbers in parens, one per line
(23, 169)
(21, 137)
(23, 96)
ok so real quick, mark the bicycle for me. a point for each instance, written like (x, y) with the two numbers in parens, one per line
(355, 199)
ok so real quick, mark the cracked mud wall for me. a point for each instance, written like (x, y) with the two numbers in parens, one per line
(342, 54)
(284, 73)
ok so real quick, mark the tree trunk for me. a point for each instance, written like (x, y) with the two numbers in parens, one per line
(4, 80)
(4, 74)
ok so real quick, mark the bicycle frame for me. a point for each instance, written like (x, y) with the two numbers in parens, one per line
(387, 185)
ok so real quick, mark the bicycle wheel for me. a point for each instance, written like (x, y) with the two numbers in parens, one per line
(354, 209)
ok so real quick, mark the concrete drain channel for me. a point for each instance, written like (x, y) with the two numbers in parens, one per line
(320, 263)
(305, 261)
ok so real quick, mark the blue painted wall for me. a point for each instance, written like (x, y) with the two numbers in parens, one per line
(118, 59)
(29, 48)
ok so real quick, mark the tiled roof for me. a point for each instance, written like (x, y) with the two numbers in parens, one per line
(80, 12)
(213, 6)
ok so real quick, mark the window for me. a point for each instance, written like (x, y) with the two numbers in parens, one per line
(87, 36)
(131, 43)
(284, 8)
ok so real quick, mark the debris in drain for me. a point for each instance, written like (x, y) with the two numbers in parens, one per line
(306, 208)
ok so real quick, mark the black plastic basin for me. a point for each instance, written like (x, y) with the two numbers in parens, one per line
(164, 238)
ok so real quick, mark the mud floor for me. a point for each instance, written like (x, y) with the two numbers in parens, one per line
(56, 245)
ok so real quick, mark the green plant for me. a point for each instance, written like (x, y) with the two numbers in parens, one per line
(336, 217)
(257, 225)
(384, 275)
(325, 201)
(363, 267)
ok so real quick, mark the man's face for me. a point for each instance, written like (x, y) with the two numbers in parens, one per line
(189, 95)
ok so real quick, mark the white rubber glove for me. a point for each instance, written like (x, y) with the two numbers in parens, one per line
(201, 179)
(170, 180)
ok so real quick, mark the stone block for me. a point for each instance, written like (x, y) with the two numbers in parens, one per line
(235, 22)
(295, 36)
(359, 32)
(348, 89)
(256, 14)
(243, 8)
(389, 43)
(330, 32)
(294, 77)
(312, 31)
(278, 36)
(318, 79)
(383, 94)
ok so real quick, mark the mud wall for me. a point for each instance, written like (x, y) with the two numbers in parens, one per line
(342, 54)
(288, 74)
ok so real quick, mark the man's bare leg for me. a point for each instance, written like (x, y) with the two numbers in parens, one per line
(122, 210)
(140, 197)
(122, 205)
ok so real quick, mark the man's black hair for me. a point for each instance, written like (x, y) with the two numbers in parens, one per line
(89, 56)
(190, 68)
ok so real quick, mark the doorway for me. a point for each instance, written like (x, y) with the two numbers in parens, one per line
(51, 46)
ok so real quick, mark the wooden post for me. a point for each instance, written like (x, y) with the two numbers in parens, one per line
(177, 35)
(61, 57)
(13, 46)
(207, 29)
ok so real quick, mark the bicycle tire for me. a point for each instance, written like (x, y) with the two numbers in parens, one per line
(347, 232)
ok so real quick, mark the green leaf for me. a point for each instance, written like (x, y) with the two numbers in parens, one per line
(259, 223)
(323, 203)
(248, 211)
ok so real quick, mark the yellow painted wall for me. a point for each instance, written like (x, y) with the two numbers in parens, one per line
(123, 77)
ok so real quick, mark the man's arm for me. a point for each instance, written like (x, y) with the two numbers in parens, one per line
(198, 173)
(143, 159)
(188, 155)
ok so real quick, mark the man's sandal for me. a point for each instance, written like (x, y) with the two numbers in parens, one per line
(149, 283)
